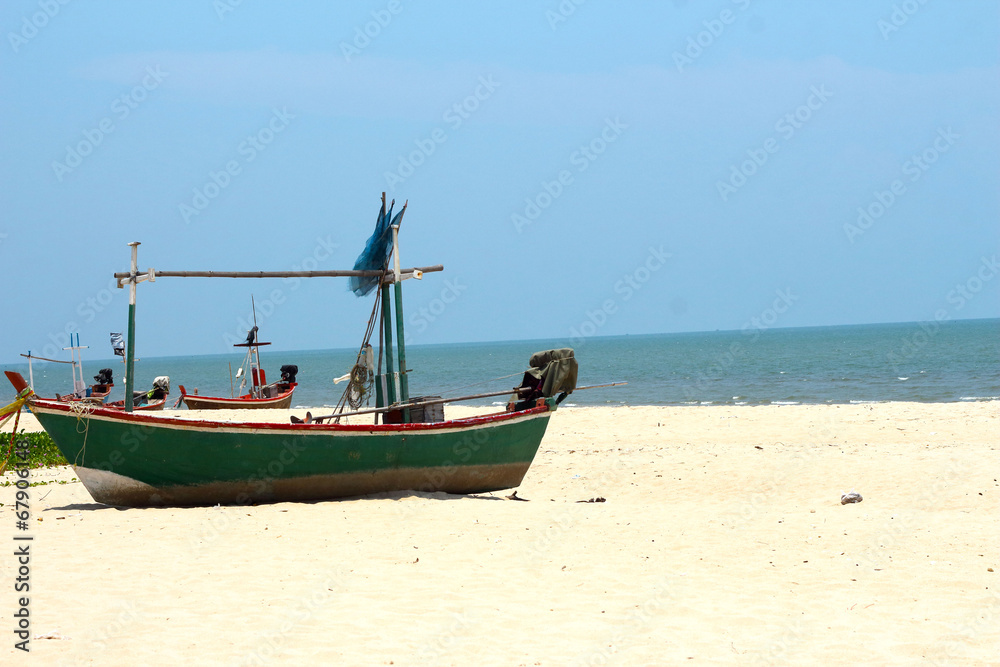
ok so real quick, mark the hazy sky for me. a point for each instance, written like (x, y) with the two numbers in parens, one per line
(580, 168)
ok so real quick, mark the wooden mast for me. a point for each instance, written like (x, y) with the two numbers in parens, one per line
(390, 374)
(132, 278)
(404, 389)
(130, 346)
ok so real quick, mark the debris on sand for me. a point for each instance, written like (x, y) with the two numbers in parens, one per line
(852, 497)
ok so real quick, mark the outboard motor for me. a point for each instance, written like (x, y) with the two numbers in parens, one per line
(161, 386)
(104, 376)
(288, 373)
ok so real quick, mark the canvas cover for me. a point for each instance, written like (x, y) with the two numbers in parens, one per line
(557, 370)
(552, 372)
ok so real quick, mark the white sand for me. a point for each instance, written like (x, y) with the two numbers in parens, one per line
(722, 540)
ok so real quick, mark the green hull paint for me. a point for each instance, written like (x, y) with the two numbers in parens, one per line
(141, 459)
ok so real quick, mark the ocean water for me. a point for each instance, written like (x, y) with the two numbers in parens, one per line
(924, 362)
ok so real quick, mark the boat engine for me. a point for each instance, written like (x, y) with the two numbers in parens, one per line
(288, 373)
(161, 386)
(104, 376)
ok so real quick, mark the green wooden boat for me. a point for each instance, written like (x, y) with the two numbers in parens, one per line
(137, 460)
(142, 459)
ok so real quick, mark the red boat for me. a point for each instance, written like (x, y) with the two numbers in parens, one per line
(95, 393)
(261, 395)
(277, 395)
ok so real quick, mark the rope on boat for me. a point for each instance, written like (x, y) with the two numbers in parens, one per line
(359, 389)
(13, 410)
(362, 380)
(82, 409)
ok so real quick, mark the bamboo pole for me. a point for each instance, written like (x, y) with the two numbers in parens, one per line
(390, 384)
(30, 356)
(405, 273)
(130, 347)
(515, 390)
(31, 373)
(404, 387)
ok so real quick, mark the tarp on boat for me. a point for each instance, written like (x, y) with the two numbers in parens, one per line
(557, 370)
(552, 372)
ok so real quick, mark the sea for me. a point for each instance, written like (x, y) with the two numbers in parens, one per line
(930, 362)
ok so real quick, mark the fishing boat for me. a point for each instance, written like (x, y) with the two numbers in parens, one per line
(95, 393)
(138, 459)
(261, 395)
(278, 395)
(154, 399)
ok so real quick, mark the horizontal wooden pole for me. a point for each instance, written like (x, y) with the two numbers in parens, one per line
(399, 406)
(281, 274)
(55, 361)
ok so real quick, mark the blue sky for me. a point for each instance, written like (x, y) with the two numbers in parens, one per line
(580, 168)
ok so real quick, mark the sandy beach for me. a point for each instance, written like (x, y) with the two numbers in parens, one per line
(721, 539)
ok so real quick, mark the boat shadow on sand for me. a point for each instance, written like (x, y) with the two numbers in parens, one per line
(394, 495)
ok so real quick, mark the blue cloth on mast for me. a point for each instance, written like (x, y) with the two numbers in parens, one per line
(377, 250)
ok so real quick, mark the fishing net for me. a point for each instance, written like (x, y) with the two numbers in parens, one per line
(375, 256)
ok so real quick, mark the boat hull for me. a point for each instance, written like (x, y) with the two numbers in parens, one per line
(152, 405)
(139, 460)
(281, 402)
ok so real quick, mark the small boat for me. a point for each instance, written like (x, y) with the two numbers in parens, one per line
(261, 395)
(154, 399)
(140, 459)
(277, 395)
(95, 393)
